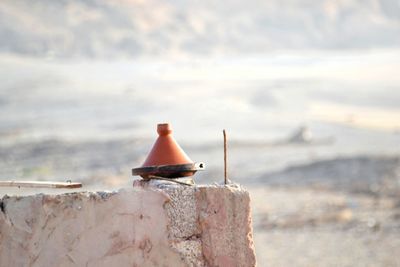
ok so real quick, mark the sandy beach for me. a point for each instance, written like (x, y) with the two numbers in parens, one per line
(335, 212)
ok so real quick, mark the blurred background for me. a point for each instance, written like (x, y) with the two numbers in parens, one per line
(308, 91)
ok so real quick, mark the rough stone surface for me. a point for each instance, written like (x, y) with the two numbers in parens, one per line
(153, 224)
(225, 223)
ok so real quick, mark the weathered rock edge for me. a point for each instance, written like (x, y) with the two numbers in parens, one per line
(153, 224)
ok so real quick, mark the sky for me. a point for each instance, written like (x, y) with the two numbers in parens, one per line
(253, 64)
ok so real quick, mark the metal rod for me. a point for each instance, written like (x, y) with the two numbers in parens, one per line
(167, 179)
(225, 164)
(39, 184)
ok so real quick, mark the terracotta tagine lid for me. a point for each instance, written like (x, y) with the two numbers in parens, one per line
(167, 158)
(166, 150)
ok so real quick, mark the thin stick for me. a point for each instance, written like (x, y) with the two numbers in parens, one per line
(225, 165)
(39, 184)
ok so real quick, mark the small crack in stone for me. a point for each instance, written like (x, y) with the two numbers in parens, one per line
(192, 237)
(2, 207)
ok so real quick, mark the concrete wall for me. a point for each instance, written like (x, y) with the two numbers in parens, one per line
(153, 224)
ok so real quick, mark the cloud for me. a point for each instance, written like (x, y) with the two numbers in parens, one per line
(264, 98)
(110, 29)
(387, 97)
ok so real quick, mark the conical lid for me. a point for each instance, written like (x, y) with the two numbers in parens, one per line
(166, 150)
